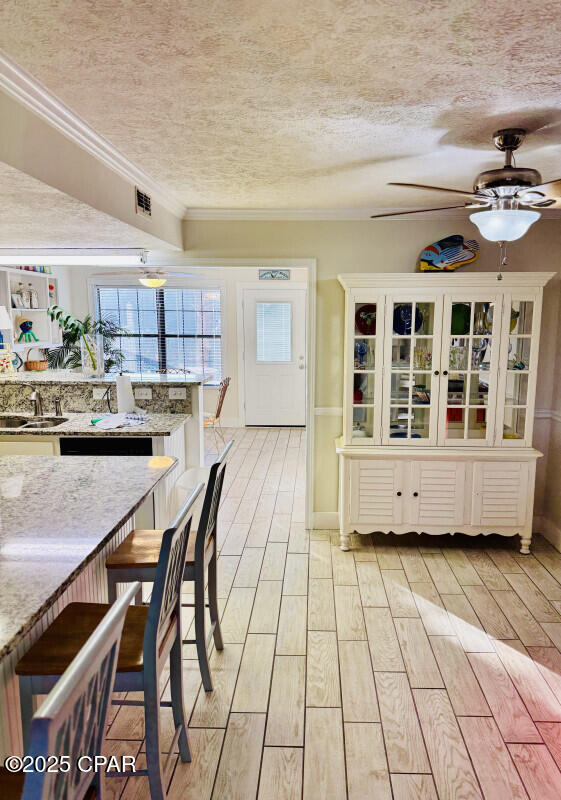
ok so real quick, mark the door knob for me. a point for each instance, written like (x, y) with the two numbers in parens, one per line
(399, 494)
(415, 494)
(301, 362)
(436, 372)
(445, 372)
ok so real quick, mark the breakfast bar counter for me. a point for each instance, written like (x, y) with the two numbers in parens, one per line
(59, 519)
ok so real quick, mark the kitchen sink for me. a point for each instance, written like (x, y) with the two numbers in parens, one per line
(30, 423)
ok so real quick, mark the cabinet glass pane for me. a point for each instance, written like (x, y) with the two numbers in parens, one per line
(516, 389)
(459, 351)
(457, 389)
(400, 388)
(420, 423)
(365, 319)
(519, 353)
(477, 423)
(363, 388)
(471, 318)
(363, 422)
(422, 354)
(364, 354)
(455, 423)
(521, 316)
(426, 313)
(399, 422)
(480, 352)
(478, 389)
(401, 353)
(514, 423)
(421, 389)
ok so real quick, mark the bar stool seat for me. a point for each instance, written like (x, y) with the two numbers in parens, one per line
(141, 549)
(59, 644)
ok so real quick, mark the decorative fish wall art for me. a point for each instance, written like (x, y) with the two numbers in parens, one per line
(448, 254)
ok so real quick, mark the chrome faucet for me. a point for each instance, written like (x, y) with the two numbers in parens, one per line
(38, 404)
(58, 407)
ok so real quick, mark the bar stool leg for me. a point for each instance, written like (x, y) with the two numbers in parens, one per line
(213, 602)
(152, 726)
(26, 706)
(176, 689)
(200, 633)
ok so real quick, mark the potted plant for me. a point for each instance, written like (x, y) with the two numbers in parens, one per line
(89, 344)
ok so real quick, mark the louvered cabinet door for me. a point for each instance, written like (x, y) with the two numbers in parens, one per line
(500, 493)
(437, 493)
(378, 491)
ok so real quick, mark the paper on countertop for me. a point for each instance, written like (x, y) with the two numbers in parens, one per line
(110, 421)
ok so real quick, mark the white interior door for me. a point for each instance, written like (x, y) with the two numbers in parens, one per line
(275, 356)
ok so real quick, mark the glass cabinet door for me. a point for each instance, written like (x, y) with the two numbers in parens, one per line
(412, 346)
(470, 354)
(366, 331)
(518, 372)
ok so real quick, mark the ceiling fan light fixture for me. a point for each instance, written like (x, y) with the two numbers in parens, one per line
(504, 225)
(152, 281)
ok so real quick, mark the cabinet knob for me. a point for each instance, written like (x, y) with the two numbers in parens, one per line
(445, 372)
(415, 494)
(399, 494)
(436, 372)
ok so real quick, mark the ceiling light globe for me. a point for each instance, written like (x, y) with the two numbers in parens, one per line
(152, 283)
(504, 225)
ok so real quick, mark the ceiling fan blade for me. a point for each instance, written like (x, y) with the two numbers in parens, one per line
(426, 210)
(550, 189)
(433, 188)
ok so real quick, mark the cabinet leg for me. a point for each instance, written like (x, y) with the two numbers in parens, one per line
(345, 541)
(525, 544)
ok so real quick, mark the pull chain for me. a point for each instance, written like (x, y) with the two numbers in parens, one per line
(503, 259)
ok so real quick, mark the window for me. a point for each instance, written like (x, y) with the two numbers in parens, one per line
(274, 333)
(167, 330)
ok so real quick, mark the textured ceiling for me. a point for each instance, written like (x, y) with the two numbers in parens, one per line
(263, 104)
(36, 215)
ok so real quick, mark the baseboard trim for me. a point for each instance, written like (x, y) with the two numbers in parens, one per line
(326, 520)
(549, 529)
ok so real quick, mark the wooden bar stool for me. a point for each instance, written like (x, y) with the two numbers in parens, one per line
(151, 635)
(136, 557)
(83, 694)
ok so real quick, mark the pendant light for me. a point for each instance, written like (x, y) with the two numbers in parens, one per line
(505, 222)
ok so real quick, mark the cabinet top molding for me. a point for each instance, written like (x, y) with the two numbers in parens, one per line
(424, 280)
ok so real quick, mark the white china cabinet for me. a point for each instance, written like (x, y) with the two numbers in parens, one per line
(440, 383)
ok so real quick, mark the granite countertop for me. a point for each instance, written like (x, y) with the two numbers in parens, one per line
(68, 376)
(56, 514)
(79, 425)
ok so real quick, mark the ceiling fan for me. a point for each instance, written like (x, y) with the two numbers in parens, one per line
(151, 277)
(506, 199)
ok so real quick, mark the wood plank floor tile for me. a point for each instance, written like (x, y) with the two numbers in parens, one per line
(422, 669)
(324, 756)
(372, 592)
(235, 540)
(443, 577)
(551, 734)
(413, 787)
(413, 564)
(281, 774)
(320, 560)
(551, 560)
(527, 629)
(258, 533)
(343, 565)
(291, 636)
(249, 567)
(532, 687)
(487, 571)
(280, 528)
(226, 570)
(285, 720)
(490, 615)
(235, 621)
(358, 690)
(491, 759)
(266, 607)
(533, 599)
(543, 579)
(400, 597)
(367, 768)
(466, 625)
(212, 708)
(238, 772)
(430, 607)
(504, 560)
(322, 680)
(463, 688)
(462, 568)
(382, 640)
(348, 610)
(273, 562)
(537, 769)
(511, 716)
(450, 762)
(388, 556)
(197, 777)
(298, 540)
(553, 631)
(296, 574)
(254, 677)
(321, 605)
(548, 662)
(402, 733)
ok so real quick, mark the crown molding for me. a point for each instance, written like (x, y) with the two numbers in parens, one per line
(27, 90)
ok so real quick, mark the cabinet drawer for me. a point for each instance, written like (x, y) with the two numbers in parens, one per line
(500, 493)
(374, 491)
(437, 493)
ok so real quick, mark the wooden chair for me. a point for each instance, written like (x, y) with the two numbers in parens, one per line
(213, 420)
(151, 635)
(72, 719)
(136, 557)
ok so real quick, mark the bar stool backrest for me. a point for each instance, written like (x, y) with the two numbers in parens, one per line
(222, 389)
(165, 600)
(71, 722)
(211, 504)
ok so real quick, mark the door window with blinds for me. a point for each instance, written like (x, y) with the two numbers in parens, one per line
(169, 330)
(273, 327)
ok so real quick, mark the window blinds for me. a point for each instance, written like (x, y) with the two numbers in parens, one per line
(168, 330)
(273, 325)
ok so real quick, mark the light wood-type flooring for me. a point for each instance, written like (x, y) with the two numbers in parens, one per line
(411, 668)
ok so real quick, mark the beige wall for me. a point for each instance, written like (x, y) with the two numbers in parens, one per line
(365, 246)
